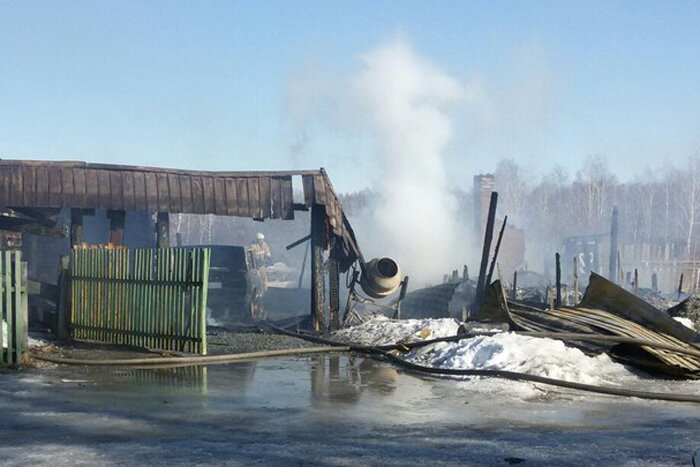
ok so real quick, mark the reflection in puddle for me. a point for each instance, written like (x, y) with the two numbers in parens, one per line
(337, 378)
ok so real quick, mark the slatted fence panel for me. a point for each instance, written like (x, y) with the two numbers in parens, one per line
(13, 307)
(152, 298)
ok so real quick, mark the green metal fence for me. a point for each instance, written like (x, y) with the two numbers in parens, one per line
(13, 307)
(154, 298)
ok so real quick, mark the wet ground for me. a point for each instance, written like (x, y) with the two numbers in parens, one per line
(322, 410)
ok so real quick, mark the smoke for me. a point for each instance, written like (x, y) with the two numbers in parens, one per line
(406, 101)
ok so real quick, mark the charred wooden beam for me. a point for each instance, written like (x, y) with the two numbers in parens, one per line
(117, 220)
(318, 244)
(612, 264)
(76, 227)
(488, 236)
(557, 301)
(163, 230)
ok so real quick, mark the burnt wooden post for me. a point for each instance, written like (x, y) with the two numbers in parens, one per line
(612, 266)
(333, 287)
(163, 230)
(557, 301)
(619, 268)
(488, 236)
(575, 282)
(76, 227)
(116, 226)
(318, 220)
(64, 305)
(514, 290)
(495, 252)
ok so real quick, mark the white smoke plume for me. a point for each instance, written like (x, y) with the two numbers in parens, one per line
(406, 100)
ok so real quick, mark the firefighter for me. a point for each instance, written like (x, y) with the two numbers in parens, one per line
(261, 251)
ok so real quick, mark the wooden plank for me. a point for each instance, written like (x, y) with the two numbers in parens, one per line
(220, 196)
(104, 189)
(78, 188)
(242, 197)
(287, 199)
(319, 189)
(208, 196)
(5, 188)
(265, 198)
(29, 176)
(163, 192)
(141, 202)
(42, 187)
(116, 188)
(197, 195)
(254, 205)
(231, 197)
(128, 191)
(309, 191)
(17, 187)
(92, 192)
(55, 194)
(151, 191)
(276, 193)
(67, 188)
(186, 193)
(174, 187)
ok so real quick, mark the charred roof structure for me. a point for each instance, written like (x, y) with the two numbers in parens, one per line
(32, 193)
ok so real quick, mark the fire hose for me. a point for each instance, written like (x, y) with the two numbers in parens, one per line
(384, 352)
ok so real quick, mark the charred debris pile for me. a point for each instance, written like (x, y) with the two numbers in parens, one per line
(629, 326)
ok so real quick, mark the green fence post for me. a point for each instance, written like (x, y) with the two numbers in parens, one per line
(203, 305)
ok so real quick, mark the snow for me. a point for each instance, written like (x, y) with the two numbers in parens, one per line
(498, 351)
(381, 331)
(685, 322)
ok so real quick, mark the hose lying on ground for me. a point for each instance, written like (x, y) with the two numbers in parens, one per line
(201, 360)
(511, 375)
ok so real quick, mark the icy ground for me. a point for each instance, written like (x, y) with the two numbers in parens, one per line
(335, 410)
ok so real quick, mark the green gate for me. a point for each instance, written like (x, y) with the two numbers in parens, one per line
(155, 298)
(13, 307)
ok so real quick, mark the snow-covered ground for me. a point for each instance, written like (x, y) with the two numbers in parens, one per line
(504, 351)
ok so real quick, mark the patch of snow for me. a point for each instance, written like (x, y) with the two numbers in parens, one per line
(381, 331)
(497, 351)
(687, 322)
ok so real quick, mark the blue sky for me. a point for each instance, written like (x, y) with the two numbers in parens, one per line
(206, 85)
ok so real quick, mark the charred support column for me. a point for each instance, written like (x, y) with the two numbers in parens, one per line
(612, 265)
(116, 226)
(488, 236)
(163, 230)
(76, 227)
(333, 287)
(557, 302)
(318, 243)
